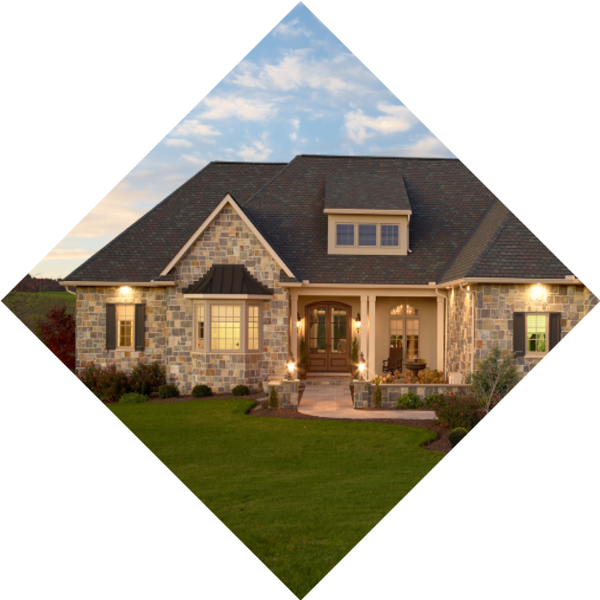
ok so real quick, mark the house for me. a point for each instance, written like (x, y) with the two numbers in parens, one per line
(222, 279)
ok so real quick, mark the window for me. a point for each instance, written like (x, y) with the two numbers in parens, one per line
(535, 334)
(345, 235)
(389, 235)
(367, 235)
(125, 327)
(403, 323)
(227, 326)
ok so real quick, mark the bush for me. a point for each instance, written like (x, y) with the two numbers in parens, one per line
(429, 376)
(303, 352)
(494, 377)
(456, 435)
(133, 398)
(57, 330)
(168, 391)
(354, 352)
(377, 396)
(201, 391)
(146, 379)
(409, 400)
(273, 397)
(240, 390)
(432, 399)
(457, 411)
(107, 383)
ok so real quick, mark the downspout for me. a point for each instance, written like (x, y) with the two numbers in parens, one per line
(445, 297)
(70, 292)
(472, 325)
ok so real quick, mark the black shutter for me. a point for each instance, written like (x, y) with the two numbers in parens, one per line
(111, 326)
(555, 330)
(519, 334)
(140, 310)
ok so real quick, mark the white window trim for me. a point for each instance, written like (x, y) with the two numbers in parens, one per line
(403, 317)
(243, 326)
(124, 348)
(528, 353)
(377, 245)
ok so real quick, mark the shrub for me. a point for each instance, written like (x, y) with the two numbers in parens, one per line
(457, 411)
(409, 400)
(107, 383)
(429, 376)
(273, 397)
(431, 400)
(377, 396)
(201, 391)
(146, 379)
(456, 435)
(168, 391)
(495, 376)
(57, 330)
(354, 352)
(133, 398)
(240, 390)
(303, 352)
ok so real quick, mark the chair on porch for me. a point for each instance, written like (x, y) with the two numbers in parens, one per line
(394, 362)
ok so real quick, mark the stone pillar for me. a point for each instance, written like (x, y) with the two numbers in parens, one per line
(293, 325)
(290, 394)
(361, 393)
(371, 365)
(440, 335)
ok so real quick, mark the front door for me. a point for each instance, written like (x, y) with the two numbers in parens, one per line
(328, 347)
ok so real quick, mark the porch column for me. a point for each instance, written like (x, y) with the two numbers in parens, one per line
(294, 330)
(440, 336)
(371, 366)
(364, 336)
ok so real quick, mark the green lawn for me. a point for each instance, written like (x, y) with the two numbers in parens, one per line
(299, 493)
(29, 307)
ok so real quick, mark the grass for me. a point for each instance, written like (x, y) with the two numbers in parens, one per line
(299, 493)
(29, 307)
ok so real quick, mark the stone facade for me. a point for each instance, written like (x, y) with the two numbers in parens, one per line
(363, 392)
(169, 316)
(460, 330)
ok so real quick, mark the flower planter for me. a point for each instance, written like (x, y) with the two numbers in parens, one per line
(414, 366)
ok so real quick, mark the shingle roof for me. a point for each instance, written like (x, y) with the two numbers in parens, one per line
(457, 228)
(364, 190)
(228, 279)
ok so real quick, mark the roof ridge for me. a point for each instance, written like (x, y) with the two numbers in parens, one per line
(376, 157)
(268, 182)
(467, 239)
(490, 244)
(247, 162)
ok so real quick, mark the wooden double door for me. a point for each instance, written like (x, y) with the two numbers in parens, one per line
(329, 336)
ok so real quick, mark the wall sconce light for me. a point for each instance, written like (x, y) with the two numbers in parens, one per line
(357, 322)
(361, 367)
(537, 293)
(291, 367)
(126, 291)
(298, 322)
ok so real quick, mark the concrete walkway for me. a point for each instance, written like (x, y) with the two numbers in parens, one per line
(335, 402)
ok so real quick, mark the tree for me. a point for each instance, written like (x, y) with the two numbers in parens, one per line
(354, 352)
(495, 376)
(57, 330)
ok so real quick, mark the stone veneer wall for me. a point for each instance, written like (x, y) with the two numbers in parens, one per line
(460, 334)
(390, 393)
(169, 334)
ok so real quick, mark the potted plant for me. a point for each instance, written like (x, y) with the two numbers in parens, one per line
(302, 359)
(354, 358)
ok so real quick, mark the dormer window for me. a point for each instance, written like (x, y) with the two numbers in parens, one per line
(345, 234)
(367, 235)
(389, 235)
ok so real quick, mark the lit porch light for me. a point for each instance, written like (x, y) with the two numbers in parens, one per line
(298, 322)
(538, 293)
(291, 367)
(357, 322)
(125, 290)
(361, 367)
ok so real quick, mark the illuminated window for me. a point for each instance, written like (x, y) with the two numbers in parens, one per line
(125, 324)
(200, 326)
(404, 330)
(226, 327)
(253, 327)
(537, 333)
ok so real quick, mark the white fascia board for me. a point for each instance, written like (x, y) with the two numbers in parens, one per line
(118, 283)
(509, 281)
(227, 297)
(227, 200)
(365, 211)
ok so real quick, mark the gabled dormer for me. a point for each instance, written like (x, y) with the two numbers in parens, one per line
(367, 214)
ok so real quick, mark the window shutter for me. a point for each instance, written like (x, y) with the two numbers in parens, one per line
(111, 326)
(519, 334)
(555, 330)
(140, 310)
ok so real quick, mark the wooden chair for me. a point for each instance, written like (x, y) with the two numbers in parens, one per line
(394, 362)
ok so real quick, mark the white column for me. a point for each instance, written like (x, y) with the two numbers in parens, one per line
(363, 328)
(440, 335)
(293, 325)
(371, 364)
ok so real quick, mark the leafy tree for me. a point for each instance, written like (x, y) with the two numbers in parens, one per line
(57, 330)
(494, 377)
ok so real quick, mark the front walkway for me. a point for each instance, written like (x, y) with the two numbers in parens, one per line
(335, 402)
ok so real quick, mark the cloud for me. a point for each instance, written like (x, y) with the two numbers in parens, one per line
(193, 127)
(342, 73)
(179, 143)
(68, 254)
(195, 160)
(290, 29)
(296, 125)
(360, 127)
(427, 147)
(223, 107)
(258, 151)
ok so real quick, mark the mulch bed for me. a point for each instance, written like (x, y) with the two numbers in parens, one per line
(261, 409)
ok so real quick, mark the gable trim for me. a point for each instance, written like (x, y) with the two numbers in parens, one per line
(227, 200)
(365, 211)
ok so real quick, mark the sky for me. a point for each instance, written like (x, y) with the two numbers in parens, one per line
(299, 91)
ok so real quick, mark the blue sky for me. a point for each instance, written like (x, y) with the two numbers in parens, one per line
(299, 91)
